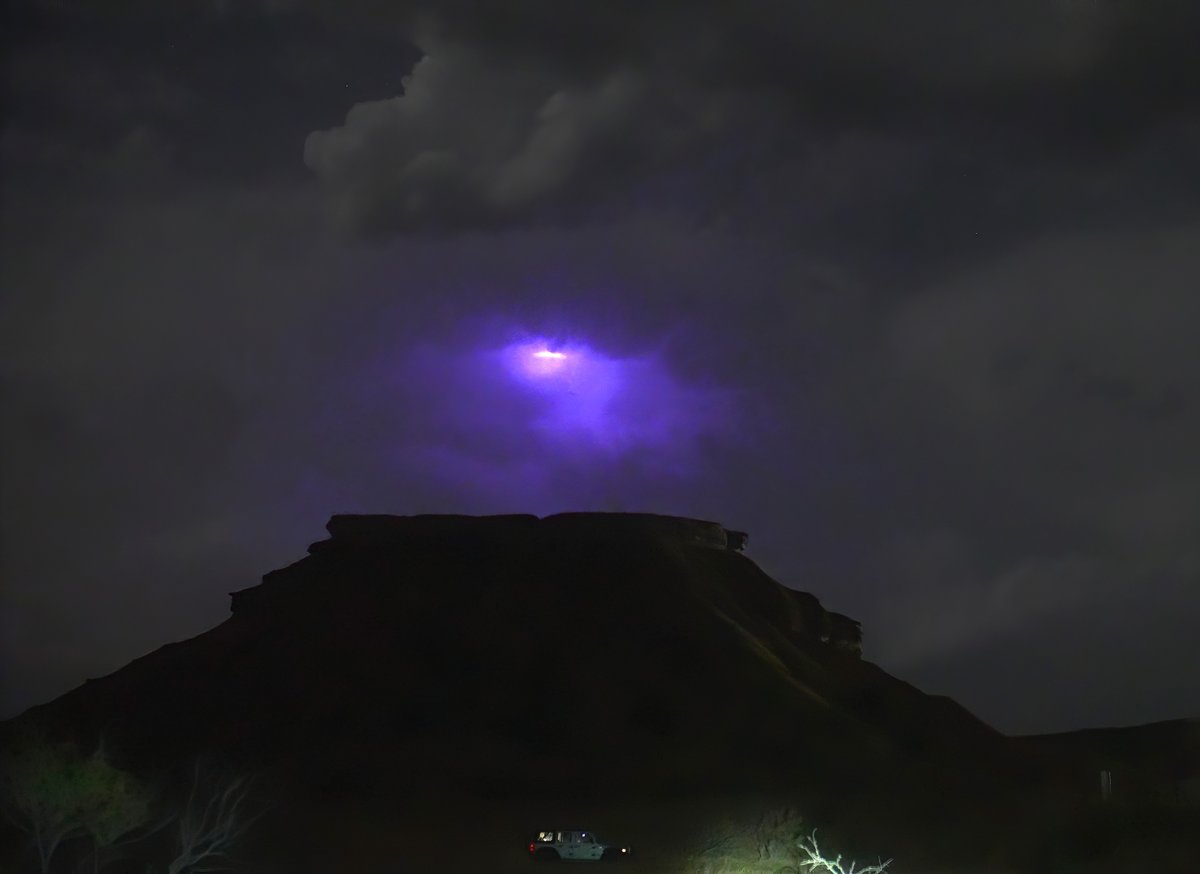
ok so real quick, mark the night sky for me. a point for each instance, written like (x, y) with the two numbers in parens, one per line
(909, 291)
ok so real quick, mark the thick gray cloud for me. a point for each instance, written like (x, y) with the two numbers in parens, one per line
(523, 110)
(1057, 382)
(1075, 356)
(467, 139)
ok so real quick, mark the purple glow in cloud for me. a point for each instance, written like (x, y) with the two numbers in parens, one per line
(611, 404)
(536, 360)
(495, 421)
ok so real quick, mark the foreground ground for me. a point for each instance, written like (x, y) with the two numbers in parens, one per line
(742, 834)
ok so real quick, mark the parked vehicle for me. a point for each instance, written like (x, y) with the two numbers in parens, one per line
(575, 844)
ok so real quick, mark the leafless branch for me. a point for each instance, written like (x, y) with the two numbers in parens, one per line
(213, 819)
(815, 861)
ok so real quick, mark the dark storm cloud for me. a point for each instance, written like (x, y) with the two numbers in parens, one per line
(208, 92)
(1075, 357)
(470, 143)
(1056, 382)
(895, 60)
(521, 110)
(137, 352)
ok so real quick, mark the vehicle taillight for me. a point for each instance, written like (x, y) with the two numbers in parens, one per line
(531, 846)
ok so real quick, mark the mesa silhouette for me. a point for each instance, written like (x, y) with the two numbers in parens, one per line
(512, 654)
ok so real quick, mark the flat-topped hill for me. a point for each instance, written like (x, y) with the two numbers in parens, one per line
(512, 653)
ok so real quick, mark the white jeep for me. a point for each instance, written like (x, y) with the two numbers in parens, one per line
(551, 846)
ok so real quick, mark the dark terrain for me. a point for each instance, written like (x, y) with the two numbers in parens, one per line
(421, 692)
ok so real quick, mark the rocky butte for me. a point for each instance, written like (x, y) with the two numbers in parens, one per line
(414, 672)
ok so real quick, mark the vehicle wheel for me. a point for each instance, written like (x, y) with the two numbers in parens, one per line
(547, 855)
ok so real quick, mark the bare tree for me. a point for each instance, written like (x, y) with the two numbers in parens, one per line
(774, 843)
(212, 820)
(814, 861)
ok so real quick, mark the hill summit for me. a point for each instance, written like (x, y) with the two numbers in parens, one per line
(506, 654)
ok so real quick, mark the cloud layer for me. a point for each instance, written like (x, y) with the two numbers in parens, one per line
(524, 112)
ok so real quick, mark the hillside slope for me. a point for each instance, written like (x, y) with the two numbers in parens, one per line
(510, 654)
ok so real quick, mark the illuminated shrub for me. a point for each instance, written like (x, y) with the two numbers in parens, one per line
(774, 842)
